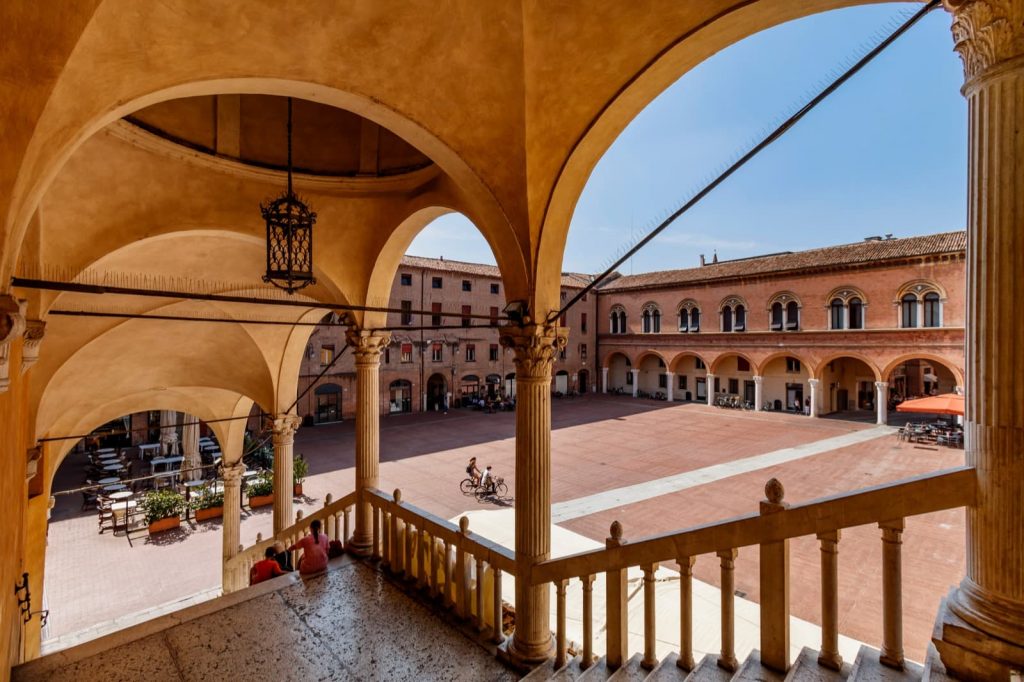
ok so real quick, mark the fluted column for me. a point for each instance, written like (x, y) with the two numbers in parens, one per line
(758, 392)
(283, 436)
(636, 381)
(535, 347)
(231, 522)
(815, 384)
(366, 347)
(604, 380)
(881, 402)
(989, 35)
(669, 380)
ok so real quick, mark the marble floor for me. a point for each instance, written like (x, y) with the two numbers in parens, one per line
(347, 624)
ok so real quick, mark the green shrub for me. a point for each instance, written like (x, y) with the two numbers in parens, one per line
(208, 499)
(261, 485)
(300, 470)
(162, 504)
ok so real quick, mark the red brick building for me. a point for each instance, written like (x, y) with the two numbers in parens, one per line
(854, 328)
(423, 369)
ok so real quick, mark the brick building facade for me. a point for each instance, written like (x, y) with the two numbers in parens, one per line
(423, 369)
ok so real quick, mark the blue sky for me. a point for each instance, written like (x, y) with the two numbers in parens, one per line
(885, 154)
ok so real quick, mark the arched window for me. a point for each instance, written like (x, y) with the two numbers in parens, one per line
(650, 319)
(695, 320)
(689, 316)
(932, 310)
(684, 320)
(740, 323)
(656, 320)
(908, 311)
(618, 320)
(792, 316)
(836, 313)
(855, 313)
(727, 318)
(645, 321)
(776, 317)
(614, 318)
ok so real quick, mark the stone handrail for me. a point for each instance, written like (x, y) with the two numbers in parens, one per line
(886, 505)
(334, 516)
(445, 561)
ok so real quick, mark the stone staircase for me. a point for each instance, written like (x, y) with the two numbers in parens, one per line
(866, 668)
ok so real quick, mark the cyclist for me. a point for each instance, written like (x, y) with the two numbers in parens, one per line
(473, 471)
(487, 479)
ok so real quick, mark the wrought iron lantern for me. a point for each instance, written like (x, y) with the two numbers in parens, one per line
(289, 234)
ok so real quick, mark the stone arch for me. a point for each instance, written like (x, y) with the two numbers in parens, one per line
(845, 293)
(919, 287)
(771, 357)
(957, 372)
(606, 361)
(650, 352)
(819, 369)
(716, 364)
(682, 355)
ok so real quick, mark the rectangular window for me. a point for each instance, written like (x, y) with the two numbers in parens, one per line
(583, 351)
(662, 380)
(492, 353)
(583, 322)
(467, 285)
(682, 382)
(470, 352)
(792, 365)
(406, 352)
(406, 312)
(326, 354)
(435, 314)
(466, 312)
(734, 386)
(698, 363)
(562, 320)
(437, 352)
(406, 279)
(742, 365)
(494, 287)
(494, 314)
(435, 283)
(387, 355)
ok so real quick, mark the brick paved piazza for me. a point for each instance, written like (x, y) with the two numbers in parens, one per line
(599, 444)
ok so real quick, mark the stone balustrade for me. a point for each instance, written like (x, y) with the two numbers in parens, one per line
(770, 530)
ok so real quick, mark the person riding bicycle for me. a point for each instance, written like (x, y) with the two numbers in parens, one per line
(473, 471)
(487, 479)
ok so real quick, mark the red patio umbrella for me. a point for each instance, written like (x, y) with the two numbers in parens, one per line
(948, 403)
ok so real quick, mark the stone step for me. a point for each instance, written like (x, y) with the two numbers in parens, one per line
(598, 672)
(707, 670)
(868, 668)
(806, 669)
(668, 670)
(544, 671)
(752, 671)
(631, 671)
(934, 670)
(570, 671)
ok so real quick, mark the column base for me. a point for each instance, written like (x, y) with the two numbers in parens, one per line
(968, 652)
(359, 546)
(523, 658)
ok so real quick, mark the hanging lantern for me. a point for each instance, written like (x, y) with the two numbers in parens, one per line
(289, 234)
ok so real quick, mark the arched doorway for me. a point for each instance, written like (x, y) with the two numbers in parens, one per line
(785, 384)
(848, 385)
(919, 377)
(691, 378)
(652, 375)
(734, 377)
(328, 403)
(583, 381)
(400, 398)
(470, 388)
(560, 385)
(493, 385)
(620, 379)
(437, 389)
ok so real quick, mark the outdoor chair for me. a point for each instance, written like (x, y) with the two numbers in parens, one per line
(88, 500)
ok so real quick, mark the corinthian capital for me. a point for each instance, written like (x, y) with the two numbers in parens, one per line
(285, 426)
(534, 346)
(367, 345)
(12, 325)
(232, 472)
(34, 331)
(986, 32)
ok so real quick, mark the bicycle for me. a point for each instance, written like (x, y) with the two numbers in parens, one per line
(496, 487)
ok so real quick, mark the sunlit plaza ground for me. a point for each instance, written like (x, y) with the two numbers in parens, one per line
(652, 466)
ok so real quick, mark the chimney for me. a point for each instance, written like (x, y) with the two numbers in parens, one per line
(702, 263)
(715, 259)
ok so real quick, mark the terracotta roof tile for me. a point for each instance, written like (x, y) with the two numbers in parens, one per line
(572, 280)
(830, 256)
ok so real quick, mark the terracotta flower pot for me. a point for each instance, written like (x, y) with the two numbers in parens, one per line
(297, 490)
(209, 513)
(261, 500)
(159, 526)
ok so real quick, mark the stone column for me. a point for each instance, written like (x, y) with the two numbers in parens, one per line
(636, 381)
(814, 383)
(882, 402)
(231, 523)
(710, 384)
(535, 346)
(284, 428)
(984, 618)
(758, 392)
(604, 380)
(669, 380)
(366, 347)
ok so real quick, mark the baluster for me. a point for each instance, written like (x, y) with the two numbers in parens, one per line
(462, 570)
(421, 559)
(588, 621)
(497, 630)
(375, 549)
(892, 594)
(408, 558)
(480, 593)
(616, 615)
(774, 579)
(727, 659)
(396, 540)
(431, 565)
(331, 528)
(829, 656)
(298, 516)
(346, 532)
(385, 520)
(685, 660)
(650, 657)
(560, 586)
(449, 580)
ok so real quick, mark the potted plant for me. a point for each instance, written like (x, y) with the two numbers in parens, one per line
(261, 490)
(300, 469)
(162, 509)
(208, 505)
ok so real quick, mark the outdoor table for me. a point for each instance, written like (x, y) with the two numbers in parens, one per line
(108, 480)
(114, 487)
(143, 449)
(103, 450)
(121, 494)
(121, 510)
(114, 467)
(173, 475)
